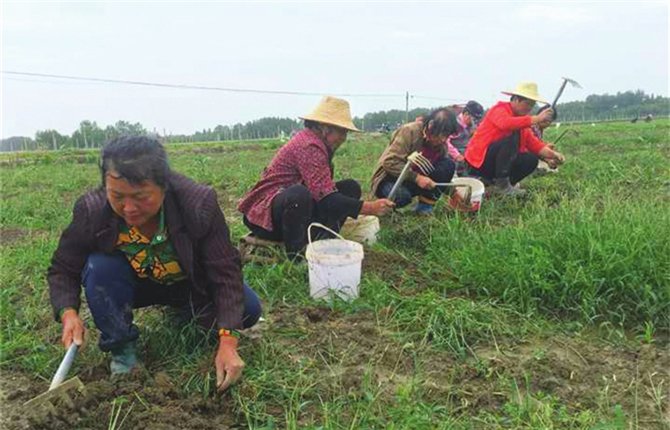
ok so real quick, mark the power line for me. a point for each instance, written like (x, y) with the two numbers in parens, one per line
(191, 87)
(210, 88)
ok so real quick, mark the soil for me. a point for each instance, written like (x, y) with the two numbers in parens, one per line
(217, 149)
(11, 235)
(578, 374)
(403, 273)
(153, 400)
(352, 354)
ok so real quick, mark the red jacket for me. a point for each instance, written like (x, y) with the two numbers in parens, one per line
(498, 123)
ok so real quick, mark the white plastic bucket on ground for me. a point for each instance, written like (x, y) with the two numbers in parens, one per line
(474, 190)
(362, 230)
(334, 265)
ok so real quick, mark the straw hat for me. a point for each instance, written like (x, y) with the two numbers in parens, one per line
(332, 111)
(527, 90)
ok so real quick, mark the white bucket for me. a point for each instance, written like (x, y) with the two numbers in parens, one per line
(467, 199)
(362, 230)
(334, 265)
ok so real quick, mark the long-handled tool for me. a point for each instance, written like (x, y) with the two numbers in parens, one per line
(59, 390)
(569, 130)
(560, 92)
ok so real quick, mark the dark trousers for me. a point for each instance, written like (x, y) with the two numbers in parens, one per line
(294, 209)
(113, 290)
(503, 160)
(444, 171)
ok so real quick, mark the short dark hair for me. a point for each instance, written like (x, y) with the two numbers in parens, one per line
(317, 126)
(312, 125)
(474, 109)
(136, 159)
(443, 122)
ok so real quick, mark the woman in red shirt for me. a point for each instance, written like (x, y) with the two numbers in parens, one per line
(504, 149)
(297, 188)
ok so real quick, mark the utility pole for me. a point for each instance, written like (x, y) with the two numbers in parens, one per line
(406, 107)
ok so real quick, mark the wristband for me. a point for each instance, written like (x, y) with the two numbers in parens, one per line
(229, 333)
(65, 309)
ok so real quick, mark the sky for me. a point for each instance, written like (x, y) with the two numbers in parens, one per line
(376, 52)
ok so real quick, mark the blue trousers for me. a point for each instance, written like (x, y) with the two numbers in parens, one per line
(113, 290)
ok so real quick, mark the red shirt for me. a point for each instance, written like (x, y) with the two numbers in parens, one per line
(498, 123)
(305, 160)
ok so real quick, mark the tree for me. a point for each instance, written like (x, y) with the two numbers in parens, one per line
(126, 128)
(50, 139)
(88, 135)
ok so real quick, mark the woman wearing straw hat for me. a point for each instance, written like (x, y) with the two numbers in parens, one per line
(504, 149)
(297, 188)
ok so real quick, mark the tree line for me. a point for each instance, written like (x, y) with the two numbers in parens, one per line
(622, 105)
(626, 105)
(88, 135)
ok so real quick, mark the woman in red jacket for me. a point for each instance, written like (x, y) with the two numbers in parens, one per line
(504, 149)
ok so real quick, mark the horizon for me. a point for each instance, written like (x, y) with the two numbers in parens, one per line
(210, 127)
(380, 56)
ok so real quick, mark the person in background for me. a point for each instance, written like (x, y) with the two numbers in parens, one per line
(150, 236)
(504, 149)
(298, 188)
(467, 122)
(429, 138)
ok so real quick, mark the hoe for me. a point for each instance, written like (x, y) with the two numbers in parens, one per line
(59, 391)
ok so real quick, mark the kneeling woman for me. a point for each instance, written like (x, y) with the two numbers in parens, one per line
(429, 138)
(150, 236)
(297, 188)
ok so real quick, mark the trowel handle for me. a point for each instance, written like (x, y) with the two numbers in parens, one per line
(451, 185)
(64, 367)
(398, 181)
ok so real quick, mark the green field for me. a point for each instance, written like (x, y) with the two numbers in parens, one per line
(549, 312)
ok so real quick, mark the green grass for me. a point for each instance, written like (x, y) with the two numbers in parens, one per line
(439, 336)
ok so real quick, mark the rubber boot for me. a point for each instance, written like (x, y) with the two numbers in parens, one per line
(123, 359)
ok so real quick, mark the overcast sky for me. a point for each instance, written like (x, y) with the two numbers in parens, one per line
(450, 51)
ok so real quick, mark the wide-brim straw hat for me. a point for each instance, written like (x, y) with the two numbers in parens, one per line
(527, 90)
(332, 111)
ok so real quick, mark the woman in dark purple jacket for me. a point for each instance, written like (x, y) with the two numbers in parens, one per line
(149, 237)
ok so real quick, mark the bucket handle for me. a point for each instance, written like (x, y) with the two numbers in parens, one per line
(317, 224)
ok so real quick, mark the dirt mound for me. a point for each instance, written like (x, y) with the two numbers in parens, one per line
(133, 401)
(11, 235)
(343, 353)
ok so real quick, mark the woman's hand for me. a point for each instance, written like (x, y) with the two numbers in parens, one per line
(73, 328)
(554, 158)
(378, 207)
(229, 365)
(424, 182)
